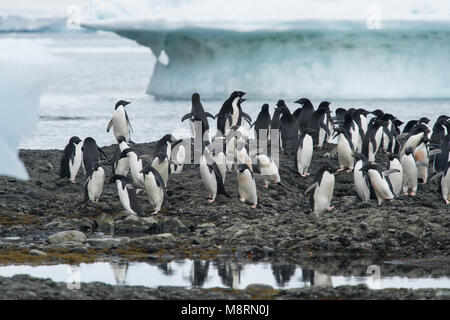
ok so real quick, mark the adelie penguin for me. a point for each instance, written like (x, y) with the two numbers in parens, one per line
(320, 122)
(229, 113)
(396, 178)
(120, 122)
(372, 139)
(267, 167)
(91, 154)
(71, 159)
(161, 164)
(262, 122)
(362, 185)
(304, 151)
(121, 166)
(421, 156)
(93, 187)
(305, 115)
(136, 166)
(444, 186)
(198, 114)
(210, 175)
(410, 172)
(288, 128)
(323, 186)
(246, 185)
(378, 181)
(345, 149)
(414, 137)
(127, 194)
(155, 188)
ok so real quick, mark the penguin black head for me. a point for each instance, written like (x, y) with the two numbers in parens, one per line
(121, 103)
(121, 139)
(360, 156)
(168, 138)
(195, 97)
(363, 111)
(242, 167)
(338, 131)
(89, 140)
(147, 169)
(161, 156)
(424, 120)
(303, 101)
(397, 122)
(118, 177)
(309, 131)
(75, 140)
(265, 107)
(325, 168)
(237, 94)
(387, 117)
(424, 140)
(370, 166)
(421, 128)
(392, 156)
(280, 103)
(125, 152)
(324, 107)
(408, 151)
(378, 113)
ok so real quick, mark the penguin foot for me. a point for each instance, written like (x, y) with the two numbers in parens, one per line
(340, 169)
(330, 208)
(73, 181)
(266, 186)
(253, 206)
(242, 199)
(447, 202)
(349, 170)
(413, 193)
(211, 200)
(155, 212)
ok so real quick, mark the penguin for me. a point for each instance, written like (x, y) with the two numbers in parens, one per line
(444, 186)
(362, 114)
(288, 128)
(362, 186)
(355, 132)
(372, 139)
(242, 155)
(305, 115)
(218, 155)
(275, 128)
(246, 185)
(242, 114)
(71, 159)
(120, 122)
(121, 166)
(164, 145)
(228, 113)
(198, 114)
(161, 164)
(414, 137)
(439, 129)
(93, 187)
(388, 135)
(345, 149)
(266, 167)
(304, 152)
(421, 156)
(136, 165)
(155, 188)
(91, 155)
(127, 194)
(262, 122)
(395, 179)
(319, 122)
(323, 187)
(441, 159)
(378, 181)
(410, 172)
(210, 175)
(409, 125)
(178, 154)
(339, 115)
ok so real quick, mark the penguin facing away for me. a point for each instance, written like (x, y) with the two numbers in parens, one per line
(94, 184)
(120, 122)
(71, 159)
(323, 187)
(127, 194)
(246, 185)
(262, 122)
(198, 114)
(155, 188)
(91, 154)
(288, 128)
(305, 115)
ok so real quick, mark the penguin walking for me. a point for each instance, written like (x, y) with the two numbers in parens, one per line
(210, 175)
(198, 114)
(267, 167)
(91, 154)
(323, 187)
(94, 184)
(121, 166)
(71, 159)
(246, 185)
(410, 172)
(155, 188)
(361, 180)
(421, 156)
(304, 152)
(378, 181)
(396, 178)
(345, 149)
(288, 128)
(120, 122)
(127, 194)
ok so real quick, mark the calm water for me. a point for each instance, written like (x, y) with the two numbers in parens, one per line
(104, 68)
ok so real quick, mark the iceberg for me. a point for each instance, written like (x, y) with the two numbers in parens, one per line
(287, 49)
(25, 67)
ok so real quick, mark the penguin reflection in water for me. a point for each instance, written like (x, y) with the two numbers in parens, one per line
(323, 187)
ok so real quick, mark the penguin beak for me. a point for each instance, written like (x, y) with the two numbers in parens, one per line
(126, 102)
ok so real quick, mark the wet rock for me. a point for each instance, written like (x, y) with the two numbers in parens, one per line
(105, 223)
(36, 252)
(253, 252)
(130, 227)
(64, 236)
(174, 226)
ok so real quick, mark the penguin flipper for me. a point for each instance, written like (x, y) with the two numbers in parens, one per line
(128, 121)
(311, 187)
(103, 153)
(207, 114)
(421, 164)
(325, 127)
(434, 152)
(437, 175)
(187, 116)
(219, 179)
(110, 123)
(389, 172)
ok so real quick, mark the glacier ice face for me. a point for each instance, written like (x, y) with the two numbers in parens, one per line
(25, 67)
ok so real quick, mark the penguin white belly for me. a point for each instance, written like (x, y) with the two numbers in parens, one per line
(155, 193)
(445, 187)
(396, 178)
(75, 165)
(380, 185)
(208, 178)
(123, 196)
(410, 173)
(247, 187)
(95, 184)
(355, 138)
(323, 193)
(362, 189)
(178, 157)
(162, 168)
(322, 136)
(230, 152)
(135, 168)
(220, 160)
(122, 167)
(363, 123)
(412, 141)
(120, 124)
(345, 153)
(421, 155)
(304, 155)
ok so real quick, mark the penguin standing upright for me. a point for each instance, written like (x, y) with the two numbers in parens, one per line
(288, 128)
(127, 194)
(421, 156)
(262, 123)
(136, 165)
(267, 167)
(155, 188)
(444, 186)
(372, 139)
(94, 184)
(319, 122)
(323, 187)
(440, 129)
(305, 115)
(442, 158)
(91, 155)
(178, 154)
(275, 125)
(71, 159)
(361, 184)
(246, 185)
(395, 179)
(345, 149)
(414, 137)
(229, 113)
(304, 152)
(198, 114)
(378, 182)
(161, 164)
(164, 145)
(121, 166)
(120, 122)
(410, 172)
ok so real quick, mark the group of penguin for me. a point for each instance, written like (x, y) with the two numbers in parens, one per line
(360, 134)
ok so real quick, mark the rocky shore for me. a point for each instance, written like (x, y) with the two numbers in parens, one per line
(40, 222)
